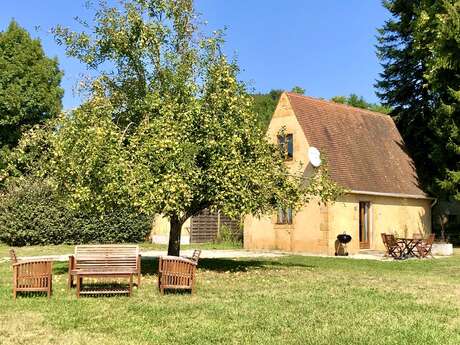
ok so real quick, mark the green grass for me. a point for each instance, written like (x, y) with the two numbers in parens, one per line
(283, 300)
(68, 249)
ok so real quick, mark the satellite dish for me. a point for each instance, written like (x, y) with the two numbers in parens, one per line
(314, 156)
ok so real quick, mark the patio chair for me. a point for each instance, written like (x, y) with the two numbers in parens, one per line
(175, 272)
(31, 275)
(393, 247)
(424, 247)
(196, 255)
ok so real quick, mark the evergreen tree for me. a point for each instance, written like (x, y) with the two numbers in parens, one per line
(402, 84)
(440, 21)
(420, 52)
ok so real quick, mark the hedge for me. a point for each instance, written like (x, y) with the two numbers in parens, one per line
(33, 215)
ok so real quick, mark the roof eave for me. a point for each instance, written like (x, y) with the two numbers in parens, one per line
(393, 195)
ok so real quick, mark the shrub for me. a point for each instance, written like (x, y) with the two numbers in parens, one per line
(229, 235)
(32, 214)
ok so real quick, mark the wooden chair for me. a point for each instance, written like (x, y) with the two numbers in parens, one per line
(31, 275)
(424, 247)
(393, 247)
(177, 273)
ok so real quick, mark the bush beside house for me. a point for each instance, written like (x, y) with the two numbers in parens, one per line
(35, 216)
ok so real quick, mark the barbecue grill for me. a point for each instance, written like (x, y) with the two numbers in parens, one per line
(341, 246)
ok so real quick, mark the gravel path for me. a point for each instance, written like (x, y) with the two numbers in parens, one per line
(215, 254)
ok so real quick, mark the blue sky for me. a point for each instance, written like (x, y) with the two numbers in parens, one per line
(327, 47)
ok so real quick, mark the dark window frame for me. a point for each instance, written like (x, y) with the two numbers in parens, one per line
(286, 145)
(284, 216)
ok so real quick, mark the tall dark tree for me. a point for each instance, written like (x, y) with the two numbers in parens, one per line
(420, 50)
(402, 85)
(440, 21)
(29, 85)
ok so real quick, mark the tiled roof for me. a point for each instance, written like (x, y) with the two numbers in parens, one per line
(364, 149)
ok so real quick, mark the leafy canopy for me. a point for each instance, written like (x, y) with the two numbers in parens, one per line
(265, 104)
(168, 127)
(29, 86)
(359, 102)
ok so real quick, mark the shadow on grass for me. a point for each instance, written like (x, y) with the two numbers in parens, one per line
(149, 265)
(32, 294)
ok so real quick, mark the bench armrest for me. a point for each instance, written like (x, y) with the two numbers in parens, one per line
(71, 262)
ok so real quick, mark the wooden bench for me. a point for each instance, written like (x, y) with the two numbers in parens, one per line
(31, 275)
(104, 261)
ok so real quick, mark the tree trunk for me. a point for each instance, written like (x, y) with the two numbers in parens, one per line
(174, 236)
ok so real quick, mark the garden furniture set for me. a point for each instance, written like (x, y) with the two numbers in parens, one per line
(403, 248)
(103, 262)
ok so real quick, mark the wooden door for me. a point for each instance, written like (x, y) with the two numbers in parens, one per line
(364, 224)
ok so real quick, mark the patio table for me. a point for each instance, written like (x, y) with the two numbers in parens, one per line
(409, 246)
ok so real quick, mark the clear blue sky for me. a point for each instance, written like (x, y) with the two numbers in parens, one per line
(326, 47)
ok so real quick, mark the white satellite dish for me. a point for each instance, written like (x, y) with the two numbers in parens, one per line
(314, 156)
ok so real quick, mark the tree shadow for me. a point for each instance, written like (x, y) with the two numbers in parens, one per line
(32, 294)
(150, 265)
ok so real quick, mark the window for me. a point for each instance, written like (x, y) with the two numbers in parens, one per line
(284, 216)
(286, 145)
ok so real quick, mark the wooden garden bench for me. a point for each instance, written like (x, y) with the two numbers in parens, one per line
(104, 261)
(31, 275)
(175, 272)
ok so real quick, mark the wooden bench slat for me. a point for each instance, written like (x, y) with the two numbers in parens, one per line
(104, 261)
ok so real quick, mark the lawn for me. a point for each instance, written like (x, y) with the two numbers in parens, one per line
(69, 249)
(286, 300)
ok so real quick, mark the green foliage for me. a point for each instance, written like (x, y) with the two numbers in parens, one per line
(359, 102)
(265, 105)
(299, 90)
(420, 52)
(87, 158)
(29, 86)
(401, 84)
(32, 214)
(440, 21)
(168, 130)
(230, 236)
